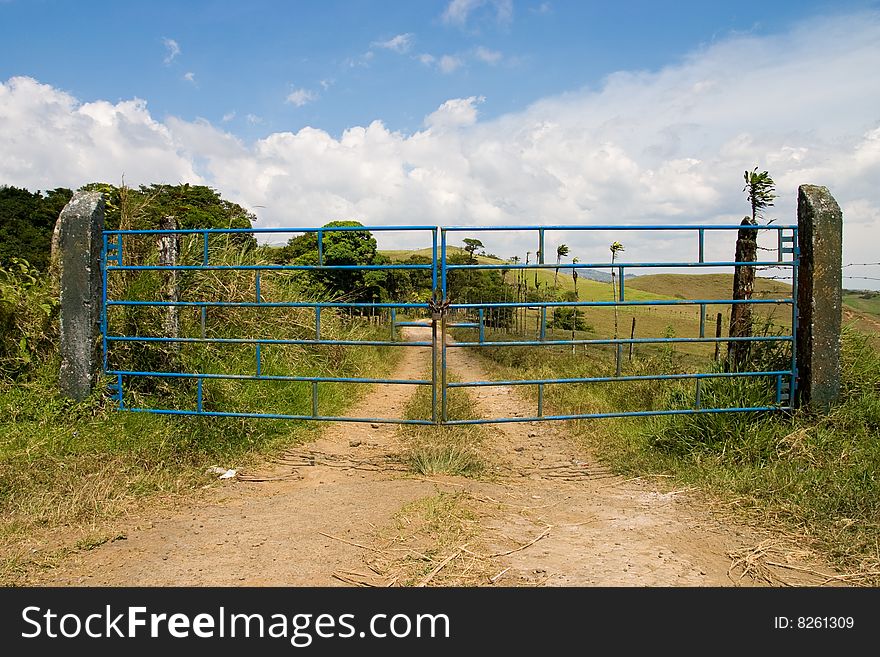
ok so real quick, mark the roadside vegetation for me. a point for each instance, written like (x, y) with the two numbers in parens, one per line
(71, 473)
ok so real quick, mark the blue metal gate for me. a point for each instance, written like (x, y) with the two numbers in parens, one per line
(445, 314)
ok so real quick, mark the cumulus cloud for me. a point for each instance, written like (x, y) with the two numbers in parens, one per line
(455, 113)
(172, 50)
(399, 44)
(665, 146)
(300, 97)
(189, 76)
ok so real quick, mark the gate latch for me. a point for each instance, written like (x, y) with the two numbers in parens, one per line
(438, 308)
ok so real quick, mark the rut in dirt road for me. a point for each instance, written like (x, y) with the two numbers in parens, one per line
(344, 510)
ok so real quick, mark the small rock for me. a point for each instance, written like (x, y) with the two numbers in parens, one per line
(518, 449)
(375, 425)
(532, 434)
(354, 443)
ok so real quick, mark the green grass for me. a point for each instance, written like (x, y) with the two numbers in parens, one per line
(863, 301)
(816, 475)
(69, 471)
(447, 450)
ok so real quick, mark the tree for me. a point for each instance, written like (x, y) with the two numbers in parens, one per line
(26, 223)
(349, 247)
(760, 191)
(574, 276)
(561, 252)
(471, 246)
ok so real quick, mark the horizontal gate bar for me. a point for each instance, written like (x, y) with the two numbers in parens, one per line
(349, 343)
(270, 304)
(544, 343)
(607, 379)
(276, 416)
(657, 302)
(270, 377)
(247, 231)
(592, 416)
(600, 227)
(266, 267)
(617, 265)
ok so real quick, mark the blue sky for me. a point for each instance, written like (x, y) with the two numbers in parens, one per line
(474, 112)
(246, 58)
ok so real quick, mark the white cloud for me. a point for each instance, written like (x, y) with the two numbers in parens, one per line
(326, 84)
(189, 76)
(426, 59)
(253, 119)
(667, 146)
(172, 48)
(449, 63)
(491, 57)
(228, 116)
(300, 97)
(455, 113)
(458, 12)
(399, 44)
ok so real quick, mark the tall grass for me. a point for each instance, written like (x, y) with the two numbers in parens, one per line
(816, 474)
(68, 471)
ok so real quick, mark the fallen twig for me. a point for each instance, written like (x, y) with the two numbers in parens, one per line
(427, 578)
(347, 542)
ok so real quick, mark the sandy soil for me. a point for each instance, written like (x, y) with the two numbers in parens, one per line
(322, 514)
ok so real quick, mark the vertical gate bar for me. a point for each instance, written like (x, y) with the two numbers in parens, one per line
(620, 274)
(259, 295)
(119, 387)
(320, 248)
(540, 400)
(443, 367)
(315, 399)
(717, 335)
(433, 368)
(393, 324)
(104, 357)
(482, 327)
(199, 395)
(543, 331)
(443, 264)
(317, 322)
(778, 388)
(433, 260)
(702, 247)
(205, 248)
(702, 335)
(204, 319)
(779, 244)
(796, 256)
(259, 361)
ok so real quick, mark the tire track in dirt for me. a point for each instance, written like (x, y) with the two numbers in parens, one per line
(549, 517)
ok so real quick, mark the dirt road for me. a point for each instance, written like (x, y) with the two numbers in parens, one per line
(343, 510)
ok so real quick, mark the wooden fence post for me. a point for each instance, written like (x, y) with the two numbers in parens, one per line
(743, 287)
(169, 249)
(819, 297)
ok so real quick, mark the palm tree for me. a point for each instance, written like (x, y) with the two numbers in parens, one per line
(561, 252)
(760, 192)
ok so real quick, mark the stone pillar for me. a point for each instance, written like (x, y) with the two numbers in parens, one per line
(820, 239)
(80, 238)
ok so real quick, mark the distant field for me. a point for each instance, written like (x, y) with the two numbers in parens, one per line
(865, 302)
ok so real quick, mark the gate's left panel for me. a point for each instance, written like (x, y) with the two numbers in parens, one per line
(284, 323)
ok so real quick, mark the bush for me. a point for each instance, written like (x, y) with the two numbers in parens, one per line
(28, 308)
